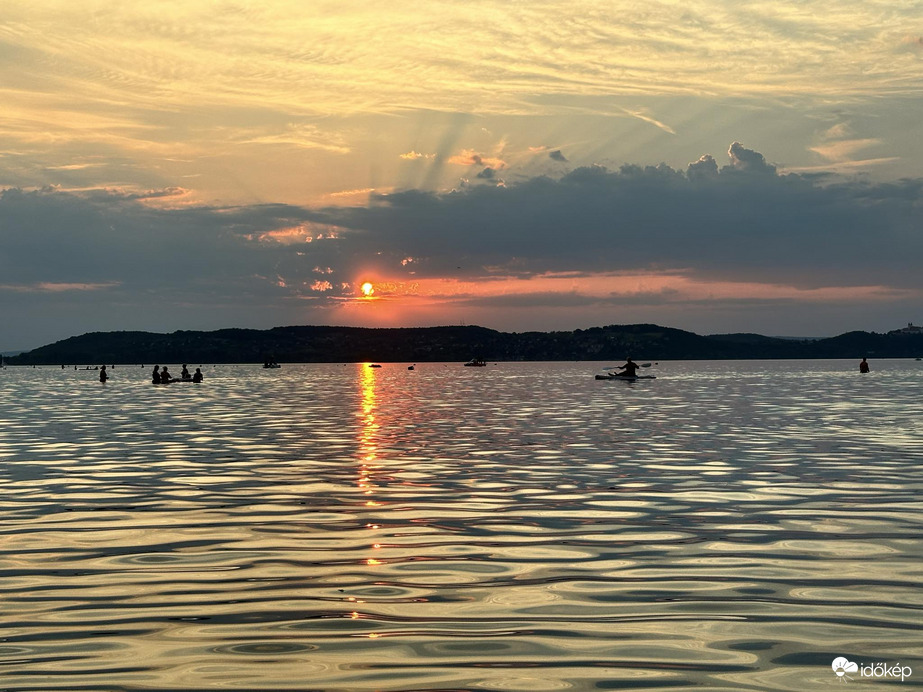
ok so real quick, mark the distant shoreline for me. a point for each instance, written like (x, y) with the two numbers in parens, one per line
(326, 344)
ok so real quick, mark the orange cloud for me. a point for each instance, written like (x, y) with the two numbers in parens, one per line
(606, 287)
(413, 155)
(302, 233)
(469, 157)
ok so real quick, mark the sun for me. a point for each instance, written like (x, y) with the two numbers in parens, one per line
(367, 289)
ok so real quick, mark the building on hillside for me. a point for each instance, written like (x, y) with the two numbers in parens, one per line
(911, 328)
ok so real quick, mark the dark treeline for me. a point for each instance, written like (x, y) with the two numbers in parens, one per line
(355, 344)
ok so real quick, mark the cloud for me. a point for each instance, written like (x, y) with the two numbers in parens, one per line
(742, 220)
(469, 157)
(838, 145)
(301, 135)
(556, 155)
(641, 114)
(56, 287)
(823, 237)
(743, 159)
(358, 57)
(843, 150)
(838, 131)
(568, 299)
(706, 168)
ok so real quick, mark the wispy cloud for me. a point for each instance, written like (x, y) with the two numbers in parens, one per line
(56, 287)
(643, 115)
(346, 58)
(305, 136)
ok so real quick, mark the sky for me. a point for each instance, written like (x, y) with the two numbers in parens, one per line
(711, 165)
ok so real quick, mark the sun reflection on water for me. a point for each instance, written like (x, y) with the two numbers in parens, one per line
(368, 431)
(368, 447)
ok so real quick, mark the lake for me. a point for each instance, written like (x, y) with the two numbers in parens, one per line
(732, 525)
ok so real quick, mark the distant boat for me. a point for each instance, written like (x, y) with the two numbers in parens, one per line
(411, 367)
(475, 363)
(374, 365)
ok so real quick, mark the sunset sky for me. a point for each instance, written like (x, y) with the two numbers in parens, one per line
(711, 165)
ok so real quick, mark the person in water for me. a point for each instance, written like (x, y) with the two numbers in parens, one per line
(630, 369)
(155, 375)
(103, 375)
(165, 377)
(198, 375)
(864, 366)
(185, 373)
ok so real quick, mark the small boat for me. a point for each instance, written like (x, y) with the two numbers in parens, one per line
(475, 363)
(374, 365)
(271, 365)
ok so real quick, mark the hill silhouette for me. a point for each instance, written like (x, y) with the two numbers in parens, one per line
(304, 344)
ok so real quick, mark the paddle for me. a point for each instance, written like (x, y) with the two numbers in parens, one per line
(616, 367)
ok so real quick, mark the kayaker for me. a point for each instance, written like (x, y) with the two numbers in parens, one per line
(630, 368)
(864, 366)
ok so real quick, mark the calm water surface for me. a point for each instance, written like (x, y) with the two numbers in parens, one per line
(727, 526)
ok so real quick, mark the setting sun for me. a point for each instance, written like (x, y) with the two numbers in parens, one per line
(367, 289)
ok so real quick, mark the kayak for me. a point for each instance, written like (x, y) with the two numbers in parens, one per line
(626, 377)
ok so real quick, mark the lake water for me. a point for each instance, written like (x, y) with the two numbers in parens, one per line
(727, 526)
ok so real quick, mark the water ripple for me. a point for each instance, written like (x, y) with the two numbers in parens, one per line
(523, 527)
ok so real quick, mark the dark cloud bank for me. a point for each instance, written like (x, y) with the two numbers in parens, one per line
(741, 221)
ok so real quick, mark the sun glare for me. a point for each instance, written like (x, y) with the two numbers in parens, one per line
(367, 289)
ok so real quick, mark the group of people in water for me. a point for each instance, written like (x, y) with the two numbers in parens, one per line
(163, 376)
